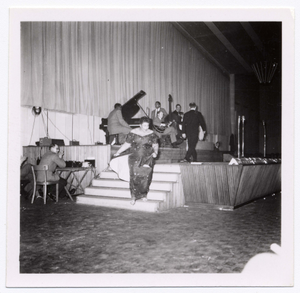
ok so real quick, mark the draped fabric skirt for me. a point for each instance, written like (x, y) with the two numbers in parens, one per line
(140, 164)
(135, 169)
(141, 170)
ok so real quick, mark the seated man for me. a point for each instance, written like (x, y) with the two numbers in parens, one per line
(117, 125)
(177, 116)
(53, 158)
(160, 127)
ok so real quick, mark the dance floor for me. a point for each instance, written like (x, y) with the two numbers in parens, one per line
(65, 237)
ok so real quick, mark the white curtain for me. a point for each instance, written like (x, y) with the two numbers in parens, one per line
(87, 67)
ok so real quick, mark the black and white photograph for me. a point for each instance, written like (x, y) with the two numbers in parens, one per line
(150, 148)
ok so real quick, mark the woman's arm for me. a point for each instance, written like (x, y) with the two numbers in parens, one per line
(123, 148)
(155, 148)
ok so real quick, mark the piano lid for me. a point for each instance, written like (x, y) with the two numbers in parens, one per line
(131, 107)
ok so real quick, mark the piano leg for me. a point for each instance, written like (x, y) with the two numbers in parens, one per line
(106, 136)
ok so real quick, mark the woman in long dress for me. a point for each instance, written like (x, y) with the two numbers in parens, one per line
(144, 148)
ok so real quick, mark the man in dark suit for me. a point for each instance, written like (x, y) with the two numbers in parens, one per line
(53, 158)
(177, 116)
(190, 130)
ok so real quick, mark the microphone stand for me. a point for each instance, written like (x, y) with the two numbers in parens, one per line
(265, 138)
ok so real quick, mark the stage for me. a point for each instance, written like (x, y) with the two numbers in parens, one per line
(211, 183)
(168, 154)
(224, 186)
(103, 153)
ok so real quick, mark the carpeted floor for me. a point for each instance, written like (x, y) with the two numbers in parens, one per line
(66, 237)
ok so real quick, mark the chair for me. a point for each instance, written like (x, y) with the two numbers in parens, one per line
(23, 183)
(44, 183)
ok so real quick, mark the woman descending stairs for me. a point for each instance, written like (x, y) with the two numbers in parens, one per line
(109, 191)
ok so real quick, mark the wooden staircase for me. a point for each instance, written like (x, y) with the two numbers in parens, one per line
(108, 190)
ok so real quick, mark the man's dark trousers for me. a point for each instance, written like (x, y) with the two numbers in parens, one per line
(192, 142)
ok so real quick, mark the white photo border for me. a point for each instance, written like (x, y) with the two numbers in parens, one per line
(17, 15)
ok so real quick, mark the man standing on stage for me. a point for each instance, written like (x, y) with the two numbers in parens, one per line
(190, 130)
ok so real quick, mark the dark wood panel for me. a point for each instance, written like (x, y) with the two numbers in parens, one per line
(211, 184)
(234, 174)
(229, 186)
(205, 183)
(194, 186)
(248, 183)
(222, 184)
(257, 181)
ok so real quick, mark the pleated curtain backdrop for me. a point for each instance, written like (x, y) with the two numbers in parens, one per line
(87, 67)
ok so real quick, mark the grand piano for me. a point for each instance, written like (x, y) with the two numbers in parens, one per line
(129, 109)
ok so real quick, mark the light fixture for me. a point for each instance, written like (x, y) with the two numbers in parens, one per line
(264, 71)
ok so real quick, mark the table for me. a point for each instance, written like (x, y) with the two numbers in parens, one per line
(101, 153)
(78, 182)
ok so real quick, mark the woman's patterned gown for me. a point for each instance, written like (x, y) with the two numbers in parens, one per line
(141, 155)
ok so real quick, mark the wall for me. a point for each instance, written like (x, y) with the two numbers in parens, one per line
(270, 112)
(258, 102)
(85, 128)
(247, 104)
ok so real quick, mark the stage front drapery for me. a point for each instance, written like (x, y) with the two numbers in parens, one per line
(87, 67)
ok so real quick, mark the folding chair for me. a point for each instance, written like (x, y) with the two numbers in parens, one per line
(44, 183)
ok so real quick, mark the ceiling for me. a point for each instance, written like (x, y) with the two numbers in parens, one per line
(235, 46)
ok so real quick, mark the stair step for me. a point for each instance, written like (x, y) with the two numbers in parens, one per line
(167, 168)
(119, 203)
(117, 183)
(110, 191)
(121, 192)
(170, 177)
